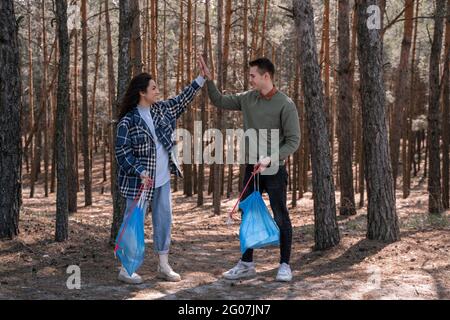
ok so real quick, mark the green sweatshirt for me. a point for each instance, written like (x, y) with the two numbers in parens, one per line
(279, 113)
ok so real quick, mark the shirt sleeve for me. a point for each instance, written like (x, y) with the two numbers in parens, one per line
(177, 105)
(124, 151)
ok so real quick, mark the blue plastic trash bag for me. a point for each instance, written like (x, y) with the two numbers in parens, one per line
(130, 245)
(258, 228)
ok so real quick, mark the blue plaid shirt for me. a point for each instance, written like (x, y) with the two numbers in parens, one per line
(135, 147)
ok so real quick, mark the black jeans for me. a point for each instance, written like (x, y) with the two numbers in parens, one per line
(276, 188)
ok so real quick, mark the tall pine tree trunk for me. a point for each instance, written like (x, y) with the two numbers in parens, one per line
(217, 168)
(204, 112)
(10, 112)
(382, 217)
(45, 98)
(111, 96)
(433, 134)
(445, 115)
(401, 93)
(72, 172)
(345, 102)
(135, 46)
(85, 112)
(124, 75)
(326, 227)
(188, 116)
(62, 214)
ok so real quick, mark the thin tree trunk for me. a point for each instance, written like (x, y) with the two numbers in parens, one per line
(218, 167)
(85, 112)
(53, 108)
(135, 48)
(111, 97)
(263, 32)
(433, 134)
(180, 70)
(72, 172)
(188, 117)
(145, 41)
(246, 75)
(445, 115)
(154, 38)
(94, 87)
(401, 94)
(203, 110)
(411, 113)
(30, 83)
(225, 63)
(75, 116)
(45, 99)
(296, 157)
(326, 72)
(345, 102)
(255, 30)
(62, 213)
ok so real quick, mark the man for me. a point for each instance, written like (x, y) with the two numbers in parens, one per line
(264, 108)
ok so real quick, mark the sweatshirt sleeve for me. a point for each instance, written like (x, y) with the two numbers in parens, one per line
(290, 126)
(228, 102)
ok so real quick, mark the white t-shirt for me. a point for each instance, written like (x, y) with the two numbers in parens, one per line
(162, 155)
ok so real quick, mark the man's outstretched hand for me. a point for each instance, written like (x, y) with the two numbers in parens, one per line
(205, 72)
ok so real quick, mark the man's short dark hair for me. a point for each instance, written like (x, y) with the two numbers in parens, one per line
(264, 65)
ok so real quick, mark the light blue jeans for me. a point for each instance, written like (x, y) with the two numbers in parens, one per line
(161, 217)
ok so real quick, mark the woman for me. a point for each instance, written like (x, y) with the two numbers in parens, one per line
(145, 155)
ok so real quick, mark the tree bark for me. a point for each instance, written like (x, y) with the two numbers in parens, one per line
(218, 167)
(10, 113)
(345, 102)
(188, 116)
(124, 75)
(433, 135)
(445, 115)
(135, 47)
(111, 96)
(382, 217)
(62, 212)
(72, 172)
(45, 98)
(325, 223)
(401, 93)
(85, 111)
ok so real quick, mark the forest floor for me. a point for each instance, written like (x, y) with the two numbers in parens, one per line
(33, 266)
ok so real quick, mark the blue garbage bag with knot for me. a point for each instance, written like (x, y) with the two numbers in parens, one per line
(130, 243)
(258, 228)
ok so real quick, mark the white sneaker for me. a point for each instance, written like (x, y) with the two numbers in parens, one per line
(165, 272)
(240, 271)
(284, 273)
(124, 277)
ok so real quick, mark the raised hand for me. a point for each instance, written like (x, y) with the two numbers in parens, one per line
(204, 68)
(200, 67)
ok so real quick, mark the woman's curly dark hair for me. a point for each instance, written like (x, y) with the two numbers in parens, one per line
(131, 98)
